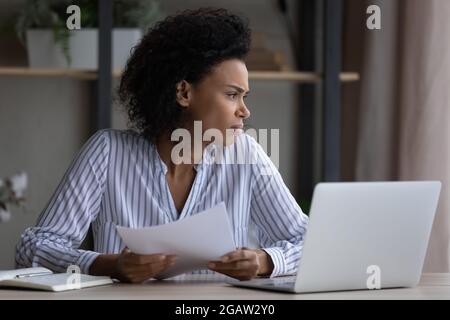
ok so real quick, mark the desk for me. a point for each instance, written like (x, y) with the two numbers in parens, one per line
(432, 286)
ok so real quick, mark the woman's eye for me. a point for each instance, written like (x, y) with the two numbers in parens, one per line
(232, 95)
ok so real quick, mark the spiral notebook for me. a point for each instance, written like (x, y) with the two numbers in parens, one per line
(44, 279)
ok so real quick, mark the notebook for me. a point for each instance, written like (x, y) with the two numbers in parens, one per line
(44, 279)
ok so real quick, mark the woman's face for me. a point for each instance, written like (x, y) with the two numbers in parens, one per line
(218, 100)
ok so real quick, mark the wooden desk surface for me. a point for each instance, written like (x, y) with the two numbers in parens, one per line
(432, 286)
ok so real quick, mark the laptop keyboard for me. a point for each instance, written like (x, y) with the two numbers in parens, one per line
(284, 282)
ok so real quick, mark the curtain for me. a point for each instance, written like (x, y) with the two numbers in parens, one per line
(404, 106)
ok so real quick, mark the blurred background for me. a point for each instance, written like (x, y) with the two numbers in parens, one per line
(351, 103)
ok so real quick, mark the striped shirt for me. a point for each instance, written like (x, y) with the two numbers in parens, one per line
(118, 179)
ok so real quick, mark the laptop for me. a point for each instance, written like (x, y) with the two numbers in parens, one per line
(362, 235)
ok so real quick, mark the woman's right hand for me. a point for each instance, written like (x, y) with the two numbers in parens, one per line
(136, 268)
(130, 267)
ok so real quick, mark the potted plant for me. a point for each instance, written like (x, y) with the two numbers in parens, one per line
(50, 44)
(12, 191)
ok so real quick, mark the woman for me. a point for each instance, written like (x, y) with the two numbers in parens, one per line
(188, 69)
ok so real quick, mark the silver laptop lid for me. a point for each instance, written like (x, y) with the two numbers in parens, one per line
(360, 231)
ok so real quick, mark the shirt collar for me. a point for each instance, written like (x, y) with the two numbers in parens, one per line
(159, 165)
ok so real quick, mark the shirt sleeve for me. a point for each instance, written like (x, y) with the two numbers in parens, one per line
(280, 224)
(53, 243)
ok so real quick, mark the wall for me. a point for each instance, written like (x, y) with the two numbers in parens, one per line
(44, 121)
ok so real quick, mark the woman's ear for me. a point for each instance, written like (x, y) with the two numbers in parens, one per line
(184, 93)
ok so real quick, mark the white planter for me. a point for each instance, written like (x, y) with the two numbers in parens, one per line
(83, 48)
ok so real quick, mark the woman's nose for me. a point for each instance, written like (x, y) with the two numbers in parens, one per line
(243, 111)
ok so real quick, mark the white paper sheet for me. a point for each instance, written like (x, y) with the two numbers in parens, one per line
(195, 240)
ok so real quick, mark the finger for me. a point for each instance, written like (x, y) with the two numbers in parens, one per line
(139, 277)
(146, 268)
(140, 259)
(160, 268)
(240, 254)
(232, 266)
(232, 254)
(166, 266)
(150, 267)
(171, 257)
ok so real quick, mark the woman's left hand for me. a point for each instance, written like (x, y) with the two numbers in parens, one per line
(243, 264)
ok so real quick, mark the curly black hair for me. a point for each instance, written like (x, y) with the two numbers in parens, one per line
(185, 46)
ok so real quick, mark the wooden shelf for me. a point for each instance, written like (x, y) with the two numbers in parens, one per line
(28, 72)
(298, 76)
(293, 76)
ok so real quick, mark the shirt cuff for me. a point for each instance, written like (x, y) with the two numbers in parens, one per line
(279, 264)
(85, 260)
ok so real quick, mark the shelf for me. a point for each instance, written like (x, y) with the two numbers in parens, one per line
(298, 76)
(293, 76)
(27, 72)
